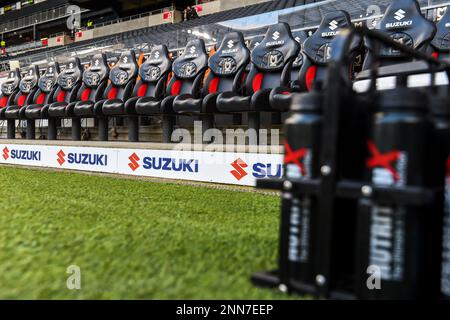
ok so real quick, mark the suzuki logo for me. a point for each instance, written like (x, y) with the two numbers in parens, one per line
(192, 50)
(333, 25)
(5, 153)
(134, 164)
(125, 59)
(399, 14)
(61, 157)
(70, 65)
(239, 171)
(276, 35)
(96, 63)
(157, 54)
(230, 44)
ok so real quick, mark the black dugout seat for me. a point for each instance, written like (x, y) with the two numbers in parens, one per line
(317, 49)
(188, 73)
(153, 77)
(28, 87)
(38, 107)
(67, 85)
(280, 97)
(94, 82)
(122, 80)
(9, 89)
(441, 41)
(271, 66)
(403, 22)
(227, 68)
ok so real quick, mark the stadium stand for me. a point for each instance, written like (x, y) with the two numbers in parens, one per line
(213, 28)
(360, 165)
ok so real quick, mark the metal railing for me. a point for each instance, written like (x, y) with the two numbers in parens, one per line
(37, 18)
(134, 17)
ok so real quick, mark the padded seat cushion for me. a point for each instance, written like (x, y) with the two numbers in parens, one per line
(57, 109)
(12, 112)
(280, 98)
(84, 108)
(231, 102)
(148, 106)
(186, 103)
(34, 111)
(113, 107)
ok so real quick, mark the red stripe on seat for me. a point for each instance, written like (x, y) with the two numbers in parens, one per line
(112, 93)
(176, 88)
(21, 100)
(257, 82)
(310, 77)
(142, 90)
(61, 96)
(213, 85)
(41, 98)
(85, 94)
(3, 101)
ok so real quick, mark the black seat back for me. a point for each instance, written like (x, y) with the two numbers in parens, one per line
(227, 65)
(403, 22)
(27, 86)
(95, 79)
(317, 48)
(122, 77)
(272, 59)
(10, 88)
(252, 44)
(441, 41)
(153, 73)
(68, 81)
(300, 37)
(47, 84)
(189, 69)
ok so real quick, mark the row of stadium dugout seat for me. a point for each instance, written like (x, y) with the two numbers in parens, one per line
(237, 81)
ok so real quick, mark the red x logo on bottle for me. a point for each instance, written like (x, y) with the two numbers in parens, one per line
(383, 160)
(295, 157)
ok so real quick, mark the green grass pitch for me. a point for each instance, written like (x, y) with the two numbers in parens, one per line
(132, 239)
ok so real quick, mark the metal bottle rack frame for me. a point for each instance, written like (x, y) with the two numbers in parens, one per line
(329, 187)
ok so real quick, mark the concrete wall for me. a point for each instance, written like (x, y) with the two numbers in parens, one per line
(210, 7)
(84, 35)
(59, 41)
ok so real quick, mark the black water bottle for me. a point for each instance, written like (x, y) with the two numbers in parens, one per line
(302, 151)
(440, 108)
(391, 237)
